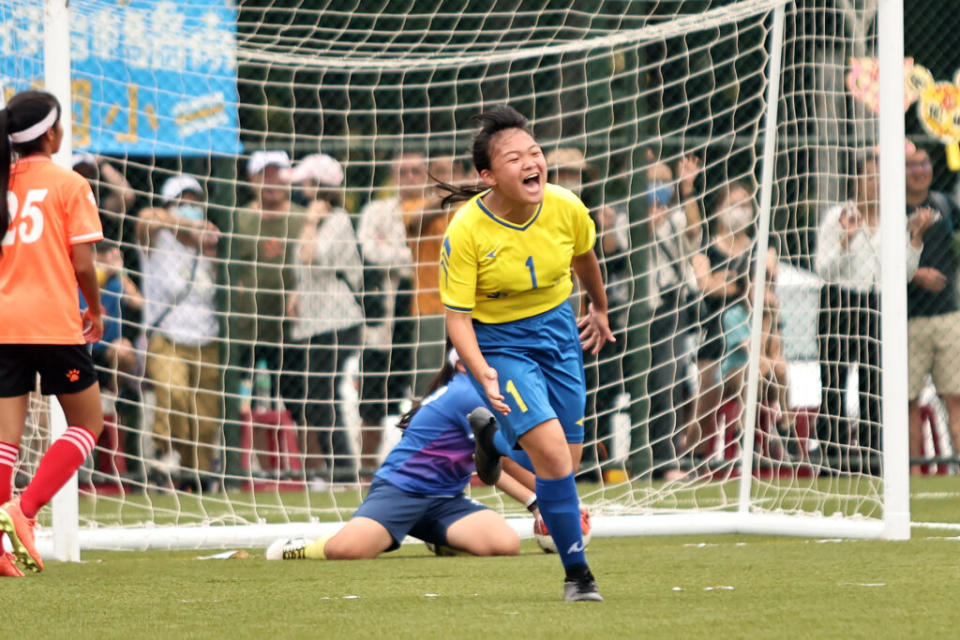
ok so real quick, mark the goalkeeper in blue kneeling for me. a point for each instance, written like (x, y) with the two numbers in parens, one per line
(419, 488)
(505, 265)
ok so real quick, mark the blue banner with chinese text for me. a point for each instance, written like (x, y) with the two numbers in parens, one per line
(148, 78)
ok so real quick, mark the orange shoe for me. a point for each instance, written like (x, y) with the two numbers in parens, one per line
(20, 531)
(7, 567)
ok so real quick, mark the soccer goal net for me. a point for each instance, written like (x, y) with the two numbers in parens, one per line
(264, 173)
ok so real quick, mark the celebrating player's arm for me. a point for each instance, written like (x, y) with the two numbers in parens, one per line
(595, 325)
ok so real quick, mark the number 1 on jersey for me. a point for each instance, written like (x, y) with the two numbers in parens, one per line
(533, 273)
(512, 390)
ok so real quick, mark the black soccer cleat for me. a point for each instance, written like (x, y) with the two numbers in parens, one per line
(485, 454)
(445, 550)
(581, 589)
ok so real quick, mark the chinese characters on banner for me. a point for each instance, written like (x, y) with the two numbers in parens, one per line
(148, 78)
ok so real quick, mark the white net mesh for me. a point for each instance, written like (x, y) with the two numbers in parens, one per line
(269, 350)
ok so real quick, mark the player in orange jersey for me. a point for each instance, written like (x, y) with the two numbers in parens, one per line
(48, 225)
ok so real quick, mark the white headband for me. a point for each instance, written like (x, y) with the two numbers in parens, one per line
(35, 131)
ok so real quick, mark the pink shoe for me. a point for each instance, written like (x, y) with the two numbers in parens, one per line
(20, 531)
(7, 567)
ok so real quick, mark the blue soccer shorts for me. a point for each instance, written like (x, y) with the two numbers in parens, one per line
(539, 363)
(423, 517)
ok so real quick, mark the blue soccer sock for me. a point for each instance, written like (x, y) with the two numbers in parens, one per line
(517, 455)
(560, 509)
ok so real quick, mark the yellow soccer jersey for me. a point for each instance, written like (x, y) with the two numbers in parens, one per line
(500, 271)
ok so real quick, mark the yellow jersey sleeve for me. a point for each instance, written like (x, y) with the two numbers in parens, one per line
(458, 267)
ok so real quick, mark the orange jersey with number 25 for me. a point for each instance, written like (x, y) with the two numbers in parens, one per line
(51, 209)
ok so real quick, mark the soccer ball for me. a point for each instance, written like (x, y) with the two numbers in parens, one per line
(545, 540)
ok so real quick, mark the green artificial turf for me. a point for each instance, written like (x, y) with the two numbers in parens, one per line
(663, 587)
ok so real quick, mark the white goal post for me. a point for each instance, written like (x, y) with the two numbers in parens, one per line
(655, 99)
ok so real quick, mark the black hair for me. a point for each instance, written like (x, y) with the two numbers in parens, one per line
(492, 121)
(446, 373)
(862, 159)
(89, 171)
(24, 110)
(331, 195)
(724, 192)
(106, 245)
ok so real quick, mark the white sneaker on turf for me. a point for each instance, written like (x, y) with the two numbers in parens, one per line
(287, 549)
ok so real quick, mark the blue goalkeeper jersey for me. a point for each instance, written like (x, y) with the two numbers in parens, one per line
(435, 455)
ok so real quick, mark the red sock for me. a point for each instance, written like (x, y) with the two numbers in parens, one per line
(58, 464)
(8, 458)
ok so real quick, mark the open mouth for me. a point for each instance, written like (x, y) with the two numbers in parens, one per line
(532, 180)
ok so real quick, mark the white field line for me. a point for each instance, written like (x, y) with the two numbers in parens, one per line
(949, 526)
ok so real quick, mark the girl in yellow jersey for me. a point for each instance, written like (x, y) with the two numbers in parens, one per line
(505, 280)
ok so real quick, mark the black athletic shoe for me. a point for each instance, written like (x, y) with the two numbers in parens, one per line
(485, 454)
(445, 551)
(582, 589)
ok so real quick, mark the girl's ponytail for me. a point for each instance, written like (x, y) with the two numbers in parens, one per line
(4, 175)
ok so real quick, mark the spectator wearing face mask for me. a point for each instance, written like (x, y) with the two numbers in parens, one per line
(316, 182)
(676, 229)
(177, 247)
(723, 270)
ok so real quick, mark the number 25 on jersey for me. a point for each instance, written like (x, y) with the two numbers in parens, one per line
(27, 222)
